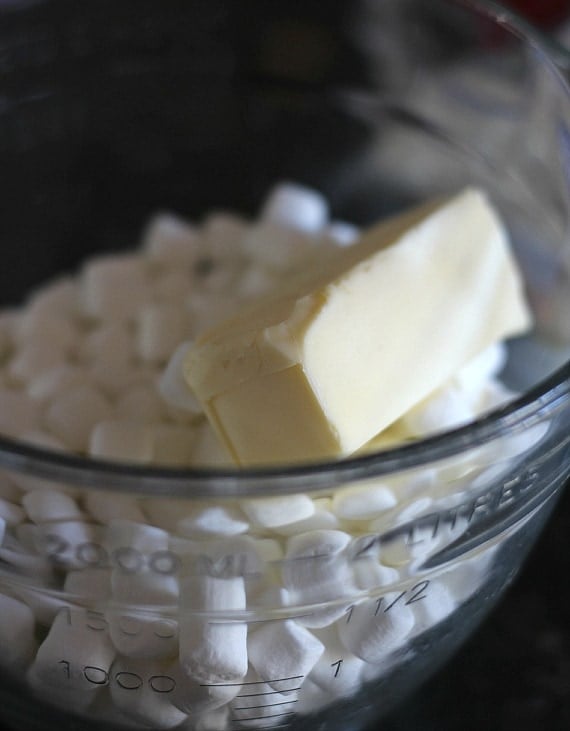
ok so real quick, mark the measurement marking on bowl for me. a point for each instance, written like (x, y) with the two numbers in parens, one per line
(254, 682)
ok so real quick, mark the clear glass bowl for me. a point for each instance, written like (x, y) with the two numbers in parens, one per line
(124, 611)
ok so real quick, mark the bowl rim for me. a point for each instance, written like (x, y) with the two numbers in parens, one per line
(525, 411)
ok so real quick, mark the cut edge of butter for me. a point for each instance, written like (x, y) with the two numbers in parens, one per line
(320, 368)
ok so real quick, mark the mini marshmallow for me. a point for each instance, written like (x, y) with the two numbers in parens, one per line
(141, 635)
(258, 704)
(211, 520)
(254, 282)
(88, 583)
(17, 638)
(213, 720)
(342, 233)
(18, 413)
(8, 489)
(172, 445)
(43, 327)
(172, 285)
(143, 538)
(278, 511)
(169, 240)
(43, 506)
(11, 513)
(69, 699)
(113, 287)
(72, 415)
(111, 373)
(142, 690)
(161, 327)
(172, 386)
(446, 408)
(283, 649)
(223, 234)
(208, 450)
(483, 367)
(60, 540)
(112, 338)
(77, 639)
(276, 248)
(363, 501)
(213, 648)
(433, 605)
(316, 571)
(296, 206)
(106, 506)
(121, 440)
(206, 312)
(58, 297)
(337, 671)
(194, 697)
(55, 381)
(140, 403)
(371, 632)
(322, 519)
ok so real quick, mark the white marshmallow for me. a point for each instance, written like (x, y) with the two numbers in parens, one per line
(172, 445)
(296, 206)
(140, 403)
(142, 690)
(43, 506)
(446, 408)
(8, 488)
(194, 697)
(18, 413)
(69, 699)
(212, 649)
(312, 698)
(72, 415)
(208, 451)
(113, 287)
(44, 327)
(161, 327)
(107, 506)
(145, 539)
(321, 519)
(483, 367)
(258, 704)
(141, 635)
(254, 282)
(281, 650)
(88, 583)
(125, 441)
(172, 285)
(60, 540)
(76, 641)
(211, 520)
(371, 631)
(223, 234)
(277, 511)
(316, 571)
(11, 513)
(111, 373)
(110, 338)
(206, 312)
(216, 720)
(52, 382)
(432, 605)
(17, 638)
(168, 239)
(276, 248)
(342, 233)
(58, 297)
(172, 386)
(363, 501)
(337, 671)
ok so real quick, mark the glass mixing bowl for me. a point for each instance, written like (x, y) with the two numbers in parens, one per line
(123, 609)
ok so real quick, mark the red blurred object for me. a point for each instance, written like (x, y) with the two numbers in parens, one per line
(544, 13)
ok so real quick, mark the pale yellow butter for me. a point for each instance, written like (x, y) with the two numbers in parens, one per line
(342, 351)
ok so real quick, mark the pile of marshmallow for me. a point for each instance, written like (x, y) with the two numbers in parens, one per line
(157, 612)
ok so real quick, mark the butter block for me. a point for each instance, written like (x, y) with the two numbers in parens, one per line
(344, 349)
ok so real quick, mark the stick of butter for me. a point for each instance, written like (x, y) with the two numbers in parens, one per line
(341, 352)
